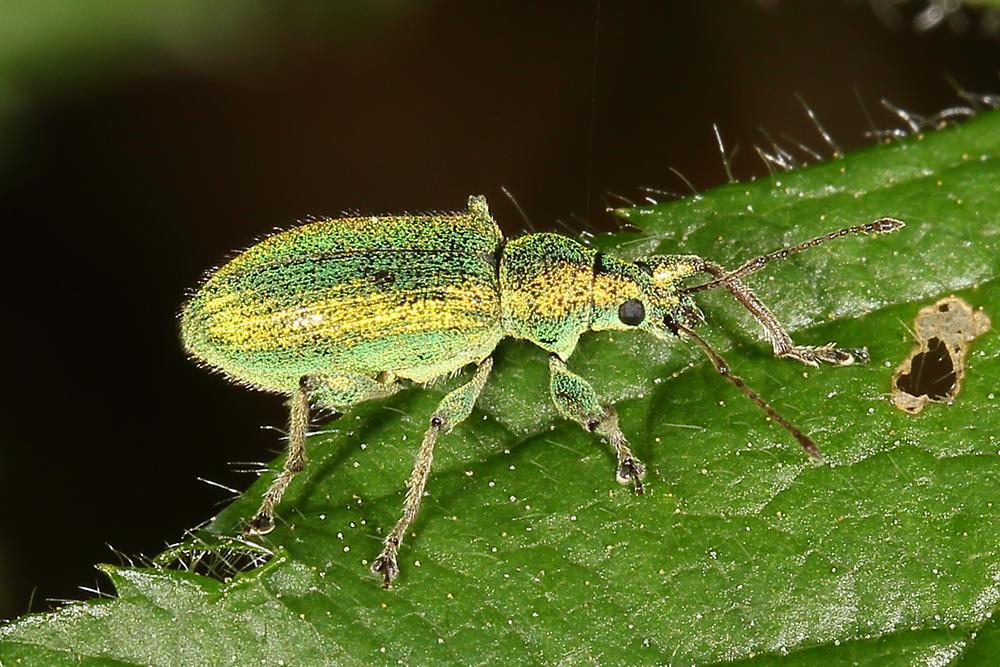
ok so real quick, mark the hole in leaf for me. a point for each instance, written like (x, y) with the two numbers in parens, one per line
(935, 369)
(932, 373)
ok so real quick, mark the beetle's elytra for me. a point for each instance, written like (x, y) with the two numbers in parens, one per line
(341, 311)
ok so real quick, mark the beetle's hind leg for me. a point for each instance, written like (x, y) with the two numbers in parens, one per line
(576, 399)
(453, 409)
(339, 390)
(781, 341)
(298, 424)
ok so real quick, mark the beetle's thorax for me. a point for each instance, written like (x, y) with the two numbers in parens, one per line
(553, 289)
(545, 290)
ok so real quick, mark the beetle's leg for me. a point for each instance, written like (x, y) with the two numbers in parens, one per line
(298, 423)
(453, 409)
(576, 399)
(783, 345)
(338, 390)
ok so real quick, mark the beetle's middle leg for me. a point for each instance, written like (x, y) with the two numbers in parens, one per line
(576, 399)
(333, 390)
(781, 341)
(453, 409)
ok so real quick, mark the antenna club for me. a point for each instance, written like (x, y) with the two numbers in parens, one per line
(885, 225)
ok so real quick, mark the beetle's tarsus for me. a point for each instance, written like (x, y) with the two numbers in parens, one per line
(261, 524)
(631, 471)
(854, 355)
(386, 566)
(828, 354)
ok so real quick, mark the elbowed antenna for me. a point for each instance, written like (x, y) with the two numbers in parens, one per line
(880, 226)
(723, 367)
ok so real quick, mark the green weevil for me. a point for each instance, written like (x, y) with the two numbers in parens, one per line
(340, 311)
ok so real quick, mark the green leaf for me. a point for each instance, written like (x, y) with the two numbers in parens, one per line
(742, 550)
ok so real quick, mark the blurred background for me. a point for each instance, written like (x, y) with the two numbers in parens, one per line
(142, 142)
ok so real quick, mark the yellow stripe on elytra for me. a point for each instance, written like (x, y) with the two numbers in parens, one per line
(363, 317)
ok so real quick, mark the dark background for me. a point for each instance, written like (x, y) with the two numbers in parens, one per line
(130, 164)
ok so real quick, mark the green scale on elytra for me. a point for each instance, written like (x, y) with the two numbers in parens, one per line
(341, 311)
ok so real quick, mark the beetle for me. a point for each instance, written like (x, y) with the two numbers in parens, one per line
(345, 310)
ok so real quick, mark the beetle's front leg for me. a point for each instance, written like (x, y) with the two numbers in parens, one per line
(782, 342)
(453, 409)
(575, 399)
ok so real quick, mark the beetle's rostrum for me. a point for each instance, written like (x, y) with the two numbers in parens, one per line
(341, 311)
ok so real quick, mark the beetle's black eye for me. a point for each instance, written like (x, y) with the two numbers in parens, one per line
(632, 312)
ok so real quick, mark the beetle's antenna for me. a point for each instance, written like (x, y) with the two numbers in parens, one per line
(880, 226)
(723, 367)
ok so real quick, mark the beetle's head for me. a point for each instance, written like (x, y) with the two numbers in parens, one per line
(646, 294)
(665, 278)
